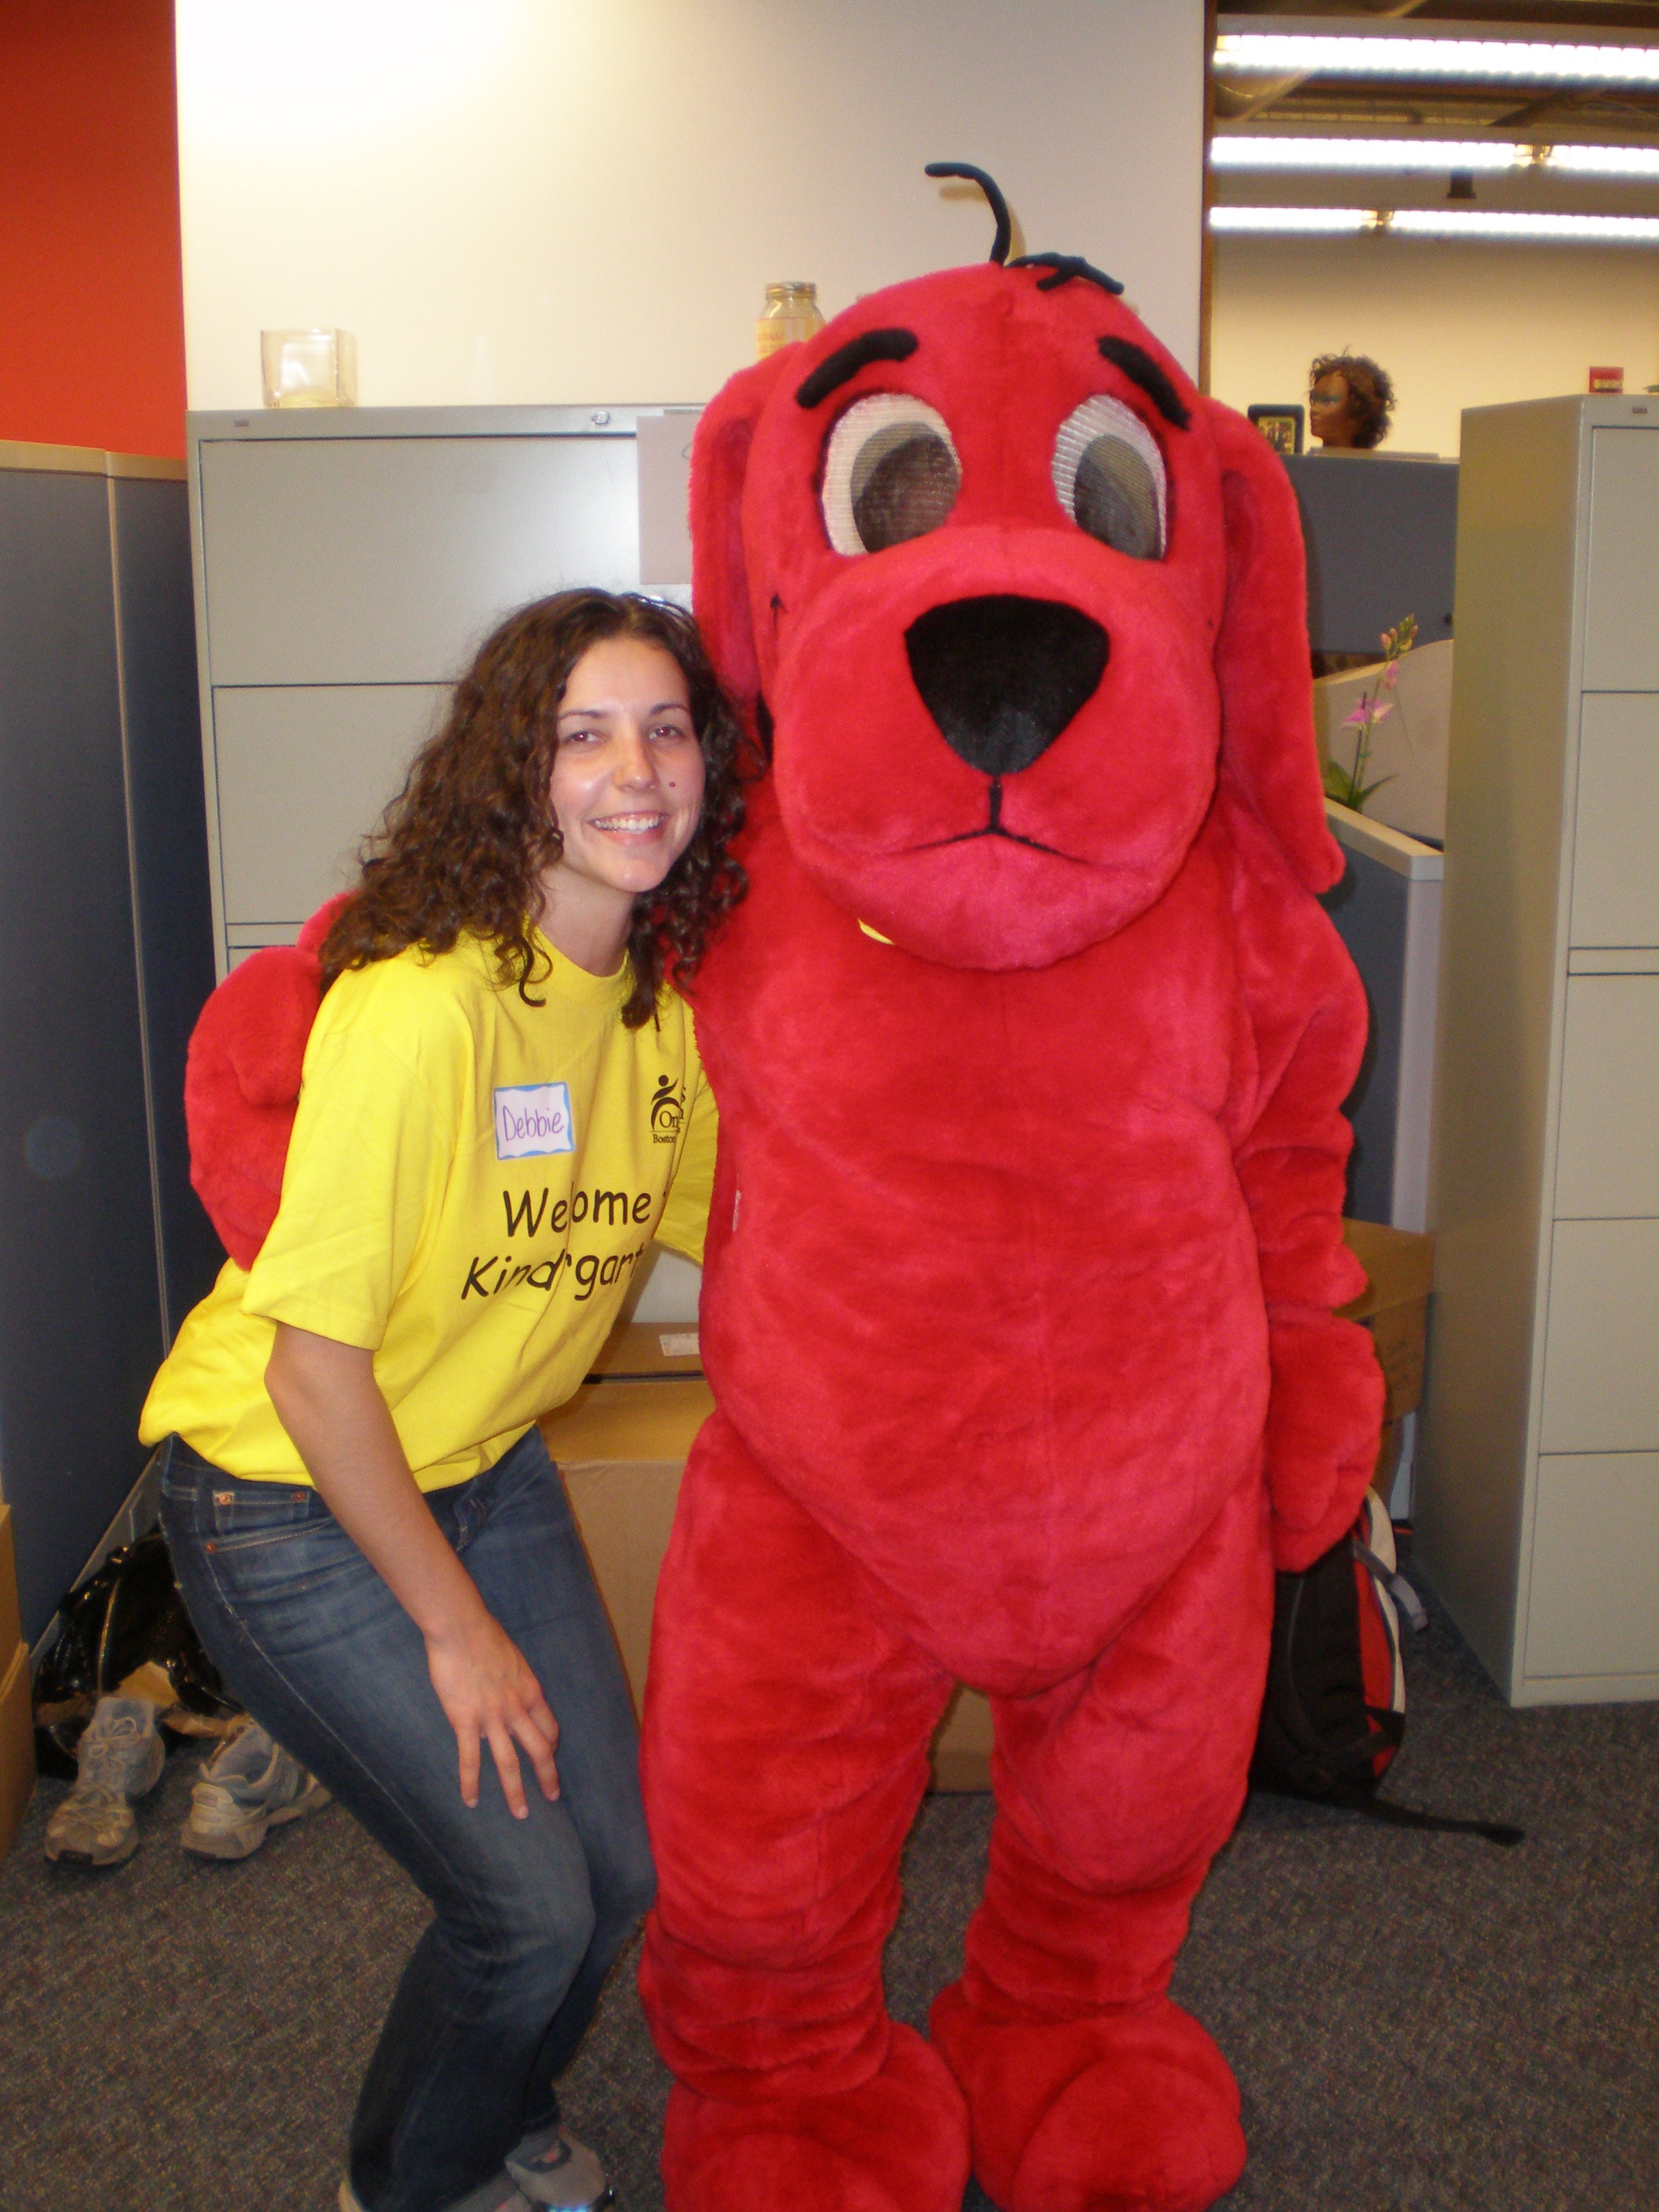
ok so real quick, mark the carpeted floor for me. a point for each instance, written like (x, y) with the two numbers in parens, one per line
(1417, 2021)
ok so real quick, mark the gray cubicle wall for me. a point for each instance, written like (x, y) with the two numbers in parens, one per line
(1381, 542)
(347, 566)
(1387, 911)
(105, 958)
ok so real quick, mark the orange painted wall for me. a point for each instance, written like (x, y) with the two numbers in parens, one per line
(91, 334)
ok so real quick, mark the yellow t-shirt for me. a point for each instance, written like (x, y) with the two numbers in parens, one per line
(471, 1183)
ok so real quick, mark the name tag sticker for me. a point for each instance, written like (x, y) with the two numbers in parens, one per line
(534, 1118)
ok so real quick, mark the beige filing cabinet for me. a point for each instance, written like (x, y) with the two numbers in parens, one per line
(348, 563)
(1537, 1482)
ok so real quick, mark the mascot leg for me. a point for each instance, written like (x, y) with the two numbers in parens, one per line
(784, 1755)
(1089, 2090)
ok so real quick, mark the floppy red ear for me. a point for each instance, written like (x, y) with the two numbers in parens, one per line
(720, 581)
(1268, 753)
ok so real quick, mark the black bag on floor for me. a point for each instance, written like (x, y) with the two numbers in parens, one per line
(126, 1620)
(1335, 1714)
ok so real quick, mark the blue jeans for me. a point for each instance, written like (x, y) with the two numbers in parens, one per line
(529, 1914)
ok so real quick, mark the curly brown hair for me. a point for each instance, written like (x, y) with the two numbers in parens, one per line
(463, 845)
(1371, 392)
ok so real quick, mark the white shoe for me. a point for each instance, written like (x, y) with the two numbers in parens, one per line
(553, 2169)
(249, 1786)
(120, 1757)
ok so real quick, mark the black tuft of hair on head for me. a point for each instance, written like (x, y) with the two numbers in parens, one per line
(1063, 267)
(1004, 237)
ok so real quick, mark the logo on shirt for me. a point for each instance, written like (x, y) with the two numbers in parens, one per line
(532, 1119)
(667, 1111)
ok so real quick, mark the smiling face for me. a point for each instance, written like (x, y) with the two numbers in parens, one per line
(986, 571)
(626, 790)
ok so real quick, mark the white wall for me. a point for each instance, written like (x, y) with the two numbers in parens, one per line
(567, 200)
(1455, 325)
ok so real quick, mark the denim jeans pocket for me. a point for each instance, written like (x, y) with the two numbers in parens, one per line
(248, 1516)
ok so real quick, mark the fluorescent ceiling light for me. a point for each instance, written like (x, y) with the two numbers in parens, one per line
(1258, 151)
(1500, 223)
(1489, 61)
(1607, 161)
(1284, 219)
(1481, 223)
(1264, 150)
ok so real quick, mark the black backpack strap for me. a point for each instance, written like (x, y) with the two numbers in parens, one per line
(1396, 1583)
(1407, 1816)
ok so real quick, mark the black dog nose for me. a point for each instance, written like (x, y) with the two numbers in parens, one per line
(1002, 676)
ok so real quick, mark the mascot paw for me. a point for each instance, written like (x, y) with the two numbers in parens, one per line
(896, 2143)
(1127, 2112)
(1323, 1421)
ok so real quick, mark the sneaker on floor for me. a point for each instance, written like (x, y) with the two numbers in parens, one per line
(120, 1756)
(552, 2168)
(249, 1786)
(496, 2194)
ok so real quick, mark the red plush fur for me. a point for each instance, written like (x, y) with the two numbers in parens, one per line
(1017, 1300)
(242, 1083)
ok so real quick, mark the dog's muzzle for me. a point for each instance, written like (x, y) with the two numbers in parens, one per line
(1002, 676)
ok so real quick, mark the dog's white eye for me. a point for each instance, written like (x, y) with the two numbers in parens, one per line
(1108, 473)
(891, 473)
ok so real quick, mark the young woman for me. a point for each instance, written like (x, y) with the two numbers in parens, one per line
(502, 1106)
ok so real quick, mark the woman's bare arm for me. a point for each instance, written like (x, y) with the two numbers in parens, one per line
(327, 1398)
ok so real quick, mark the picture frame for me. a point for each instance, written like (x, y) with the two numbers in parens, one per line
(1280, 423)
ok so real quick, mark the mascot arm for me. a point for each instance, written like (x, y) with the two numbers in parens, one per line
(242, 1083)
(1307, 1018)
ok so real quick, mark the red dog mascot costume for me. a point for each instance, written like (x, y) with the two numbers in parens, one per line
(1028, 1043)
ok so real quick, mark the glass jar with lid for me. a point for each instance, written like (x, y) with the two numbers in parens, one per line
(791, 312)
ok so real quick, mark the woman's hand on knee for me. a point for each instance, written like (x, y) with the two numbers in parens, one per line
(488, 1694)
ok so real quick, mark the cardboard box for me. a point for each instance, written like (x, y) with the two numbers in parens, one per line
(16, 1715)
(622, 1446)
(1394, 1306)
(17, 1745)
(11, 1625)
(635, 1352)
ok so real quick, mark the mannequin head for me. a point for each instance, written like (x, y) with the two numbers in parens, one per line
(1349, 401)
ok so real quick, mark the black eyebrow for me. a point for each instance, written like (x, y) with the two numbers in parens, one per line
(1140, 368)
(848, 359)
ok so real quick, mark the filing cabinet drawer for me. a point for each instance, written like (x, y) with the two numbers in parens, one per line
(1622, 639)
(1601, 1368)
(1594, 1604)
(388, 560)
(305, 773)
(1615, 848)
(1607, 1159)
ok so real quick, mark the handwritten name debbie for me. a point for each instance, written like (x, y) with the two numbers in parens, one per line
(519, 1124)
(532, 1120)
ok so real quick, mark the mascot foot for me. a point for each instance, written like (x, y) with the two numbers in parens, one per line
(897, 2143)
(1127, 2112)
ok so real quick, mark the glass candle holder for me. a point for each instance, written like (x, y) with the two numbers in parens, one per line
(308, 368)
